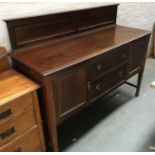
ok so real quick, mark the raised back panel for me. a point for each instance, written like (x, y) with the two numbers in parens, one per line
(96, 17)
(36, 30)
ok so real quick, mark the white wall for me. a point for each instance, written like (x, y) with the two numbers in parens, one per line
(140, 15)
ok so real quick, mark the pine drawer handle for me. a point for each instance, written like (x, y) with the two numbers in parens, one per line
(7, 133)
(5, 114)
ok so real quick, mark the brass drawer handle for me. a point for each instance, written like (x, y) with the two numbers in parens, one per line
(99, 67)
(18, 150)
(120, 74)
(88, 86)
(5, 114)
(7, 133)
(98, 87)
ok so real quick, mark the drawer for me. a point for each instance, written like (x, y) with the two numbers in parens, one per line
(108, 81)
(27, 142)
(16, 126)
(15, 107)
(101, 64)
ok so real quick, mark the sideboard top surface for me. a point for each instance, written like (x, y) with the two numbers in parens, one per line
(53, 57)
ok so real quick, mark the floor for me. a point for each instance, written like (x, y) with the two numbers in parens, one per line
(118, 123)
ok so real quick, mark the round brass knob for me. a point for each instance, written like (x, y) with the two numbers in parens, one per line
(89, 86)
(98, 87)
(120, 74)
(99, 67)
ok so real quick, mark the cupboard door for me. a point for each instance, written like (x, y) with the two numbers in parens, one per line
(70, 91)
(138, 52)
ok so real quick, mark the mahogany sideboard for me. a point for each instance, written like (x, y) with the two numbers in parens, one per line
(77, 57)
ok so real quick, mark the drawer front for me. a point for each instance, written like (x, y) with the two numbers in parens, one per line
(109, 81)
(27, 142)
(107, 61)
(15, 107)
(16, 126)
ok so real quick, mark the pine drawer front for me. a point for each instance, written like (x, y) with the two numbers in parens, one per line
(16, 126)
(15, 107)
(27, 142)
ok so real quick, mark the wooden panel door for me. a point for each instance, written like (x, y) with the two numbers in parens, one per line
(138, 52)
(70, 91)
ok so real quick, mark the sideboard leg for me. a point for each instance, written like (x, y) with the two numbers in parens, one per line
(50, 114)
(139, 81)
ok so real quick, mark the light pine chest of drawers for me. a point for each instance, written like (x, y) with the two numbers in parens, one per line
(20, 120)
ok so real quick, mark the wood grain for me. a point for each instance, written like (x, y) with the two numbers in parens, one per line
(4, 63)
(39, 121)
(21, 124)
(27, 142)
(14, 85)
(59, 25)
(50, 113)
(69, 100)
(69, 52)
(15, 107)
(19, 111)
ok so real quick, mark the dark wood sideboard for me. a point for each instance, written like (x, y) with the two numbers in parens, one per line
(78, 57)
